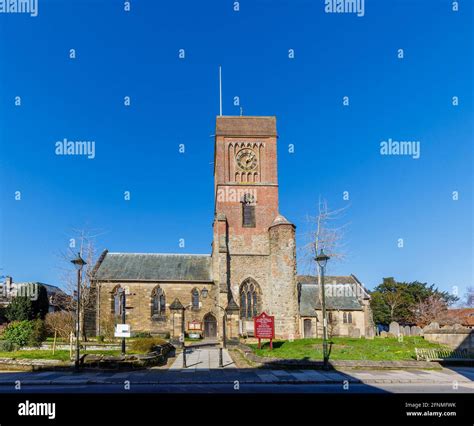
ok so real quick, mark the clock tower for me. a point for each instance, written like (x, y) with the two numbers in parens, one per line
(254, 246)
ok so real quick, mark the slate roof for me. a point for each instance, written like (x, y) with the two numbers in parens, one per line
(328, 279)
(154, 267)
(309, 300)
(245, 126)
(50, 289)
(280, 220)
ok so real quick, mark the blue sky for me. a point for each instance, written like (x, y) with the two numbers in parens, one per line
(174, 101)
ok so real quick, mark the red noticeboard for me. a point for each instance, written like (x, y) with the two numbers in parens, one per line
(264, 328)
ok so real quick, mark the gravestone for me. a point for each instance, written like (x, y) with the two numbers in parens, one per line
(415, 330)
(394, 328)
(407, 330)
(383, 334)
(370, 333)
(432, 326)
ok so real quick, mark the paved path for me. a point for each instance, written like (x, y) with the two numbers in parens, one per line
(202, 358)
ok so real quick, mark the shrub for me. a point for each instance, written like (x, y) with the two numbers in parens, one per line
(19, 332)
(146, 344)
(38, 333)
(142, 334)
(100, 339)
(7, 346)
(107, 327)
(62, 322)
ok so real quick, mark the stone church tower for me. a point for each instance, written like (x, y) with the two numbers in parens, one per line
(254, 250)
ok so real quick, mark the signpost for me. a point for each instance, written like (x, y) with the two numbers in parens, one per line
(264, 328)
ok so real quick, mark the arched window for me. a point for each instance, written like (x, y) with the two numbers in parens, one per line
(249, 299)
(344, 318)
(158, 302)
(349, 317)
(117, 302)
(195, 299)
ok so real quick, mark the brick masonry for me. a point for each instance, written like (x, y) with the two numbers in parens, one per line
(264, 253)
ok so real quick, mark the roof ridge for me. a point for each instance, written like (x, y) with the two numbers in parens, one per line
(163, 254)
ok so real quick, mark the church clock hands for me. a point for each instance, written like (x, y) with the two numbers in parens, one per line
(246, 159)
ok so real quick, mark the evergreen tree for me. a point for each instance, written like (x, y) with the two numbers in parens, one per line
(41, 304)
(19, 309)
(396, 301)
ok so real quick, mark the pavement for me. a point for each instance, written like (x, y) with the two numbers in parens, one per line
(452, 377)
(203, 373)
(203, 358)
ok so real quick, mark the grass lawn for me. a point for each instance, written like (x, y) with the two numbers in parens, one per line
(342, 348)
(62, 355)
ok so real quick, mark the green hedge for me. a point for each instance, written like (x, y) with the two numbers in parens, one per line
(146, 344)
(22, 333)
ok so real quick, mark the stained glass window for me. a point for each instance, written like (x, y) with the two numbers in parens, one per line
(249, 300)
(158, 302)
(195, 298)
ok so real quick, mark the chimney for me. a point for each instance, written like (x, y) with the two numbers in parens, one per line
(8, 284)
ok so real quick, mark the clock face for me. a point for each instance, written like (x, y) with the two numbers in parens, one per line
(246, 159)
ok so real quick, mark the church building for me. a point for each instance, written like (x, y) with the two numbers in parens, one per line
(252, 266)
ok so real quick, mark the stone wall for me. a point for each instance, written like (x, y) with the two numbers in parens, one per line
(456, 337)
(283, 288)
(138, 314)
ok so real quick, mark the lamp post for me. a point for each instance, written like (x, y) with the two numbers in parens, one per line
(123, 304)
(322, 259)
(204, 293)
(78, 263)
(183, 330)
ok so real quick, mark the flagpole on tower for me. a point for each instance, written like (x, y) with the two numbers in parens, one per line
(220, 91)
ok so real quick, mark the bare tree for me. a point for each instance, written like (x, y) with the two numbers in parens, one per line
(433, 308)
(328, 235)
(469, 298)
(393, 299)
(60, 323)
(82, 242)
(325, 233)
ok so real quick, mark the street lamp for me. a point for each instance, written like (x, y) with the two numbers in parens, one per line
(183, 329)
(322, 260)
(123, 306)
(78, 263)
